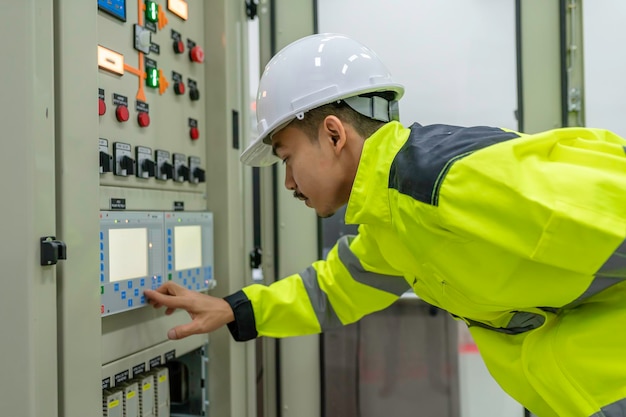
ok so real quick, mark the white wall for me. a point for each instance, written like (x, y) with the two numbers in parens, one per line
(605, 64)
(457, 61)
(456, 58)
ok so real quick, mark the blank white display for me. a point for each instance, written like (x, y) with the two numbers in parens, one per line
(128, 253)
(187, 247)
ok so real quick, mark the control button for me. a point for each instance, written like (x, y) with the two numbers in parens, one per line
(102, 107)
(179, 88)
(127, 163)
(196, 54)
(122, 113)
(179, 47)
(106, 162)
(143, 119)
(194, 133)
(194, 94)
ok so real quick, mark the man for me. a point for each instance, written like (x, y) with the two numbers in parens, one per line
(520, 236)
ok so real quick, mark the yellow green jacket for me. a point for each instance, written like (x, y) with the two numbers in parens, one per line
(506, 231)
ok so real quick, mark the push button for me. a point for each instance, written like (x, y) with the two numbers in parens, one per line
(121, 112)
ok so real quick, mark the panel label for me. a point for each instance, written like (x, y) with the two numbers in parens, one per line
(142, 106)
(154, 362)
(119, 99)
(118, 204)
(139, 369)
(122, 377)
(179, 206)
(171, 355)
(106, 383)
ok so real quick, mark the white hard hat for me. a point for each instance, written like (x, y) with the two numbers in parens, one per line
(314, 71)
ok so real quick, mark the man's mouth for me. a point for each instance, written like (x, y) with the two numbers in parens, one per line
(299, 196)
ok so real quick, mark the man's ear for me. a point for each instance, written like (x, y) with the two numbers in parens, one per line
(335, 132)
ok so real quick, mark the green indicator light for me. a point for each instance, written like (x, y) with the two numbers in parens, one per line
(101, 289)
(180, 220)
(169, 277)
(152, 11)
(152, 80)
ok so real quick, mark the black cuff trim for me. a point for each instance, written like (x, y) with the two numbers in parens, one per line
(243, 328)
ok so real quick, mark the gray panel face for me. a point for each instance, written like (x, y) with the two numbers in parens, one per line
(142, 250)
(122, 287)
(193, 271)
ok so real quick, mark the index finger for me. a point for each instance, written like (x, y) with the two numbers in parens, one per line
(171, 301)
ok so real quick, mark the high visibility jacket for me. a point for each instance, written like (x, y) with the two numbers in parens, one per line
(521, 236)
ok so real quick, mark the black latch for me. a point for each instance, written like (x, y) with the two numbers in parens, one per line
(52, 250)
(256, 256)
(251, 9)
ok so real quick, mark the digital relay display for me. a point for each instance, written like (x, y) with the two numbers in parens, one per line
(116, 8)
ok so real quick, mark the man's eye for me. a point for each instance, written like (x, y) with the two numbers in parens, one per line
(285, 161)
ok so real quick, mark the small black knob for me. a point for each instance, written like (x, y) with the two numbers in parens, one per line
(128, 164)
(148, 166)
(105, 162)
(194, 94)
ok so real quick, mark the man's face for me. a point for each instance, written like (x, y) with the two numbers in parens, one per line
(313, 169)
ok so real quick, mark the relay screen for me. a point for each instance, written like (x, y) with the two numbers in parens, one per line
(116, 8)
(128, 253)
(187, 247)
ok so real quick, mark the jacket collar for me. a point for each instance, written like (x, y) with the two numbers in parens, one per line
(369, 198)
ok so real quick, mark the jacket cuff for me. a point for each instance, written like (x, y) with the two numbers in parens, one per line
(243, 328)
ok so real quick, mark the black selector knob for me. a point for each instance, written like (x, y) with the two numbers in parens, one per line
(183, 172)
(199, 175)
(148, 166)
(168, 170)
(194, 94)
(128, 164)
(105, 162)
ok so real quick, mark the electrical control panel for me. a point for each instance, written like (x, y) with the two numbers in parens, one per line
(151, 71)
(142, 250)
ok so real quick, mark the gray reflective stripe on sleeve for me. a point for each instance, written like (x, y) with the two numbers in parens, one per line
(615, 266)
(319, 300)
(612, 272)
(390, 283)
(617, 409)
(522, 321)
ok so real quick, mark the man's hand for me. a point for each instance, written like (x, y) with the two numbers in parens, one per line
(207, 313)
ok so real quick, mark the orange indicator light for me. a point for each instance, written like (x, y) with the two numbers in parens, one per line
(110, 60)
(179, 8)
